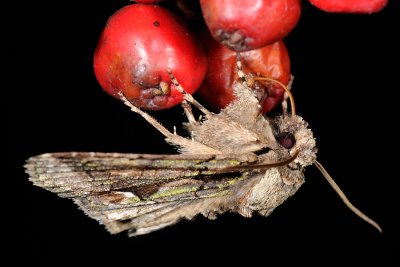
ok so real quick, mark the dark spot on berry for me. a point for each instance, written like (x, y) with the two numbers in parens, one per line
(234, 39)
(156, 23)
(286, 139)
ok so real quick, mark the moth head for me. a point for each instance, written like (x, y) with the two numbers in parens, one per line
(292, 134)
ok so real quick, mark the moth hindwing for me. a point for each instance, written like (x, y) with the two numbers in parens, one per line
(236, 160)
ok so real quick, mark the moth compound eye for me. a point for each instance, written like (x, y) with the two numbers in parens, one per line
(286, 139)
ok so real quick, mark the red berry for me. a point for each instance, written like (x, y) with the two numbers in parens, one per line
(147, 1)
(244, 25)
(138, 46)
(270, 61)
(350, 6)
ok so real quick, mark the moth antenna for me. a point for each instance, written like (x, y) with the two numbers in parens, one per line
(345, 199)
(286, 88)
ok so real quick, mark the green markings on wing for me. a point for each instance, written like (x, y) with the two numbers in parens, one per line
(173, 192)
(207, 189)
(133, 200)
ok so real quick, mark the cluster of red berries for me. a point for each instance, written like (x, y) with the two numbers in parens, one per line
(142, 43)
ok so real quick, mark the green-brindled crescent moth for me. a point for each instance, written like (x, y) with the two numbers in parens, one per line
(236, 160)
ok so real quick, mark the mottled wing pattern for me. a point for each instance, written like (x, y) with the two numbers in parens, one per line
(139, 192)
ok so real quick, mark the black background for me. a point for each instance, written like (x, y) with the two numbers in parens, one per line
(346, 69)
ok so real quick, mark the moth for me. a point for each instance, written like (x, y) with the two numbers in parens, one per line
(236, 160)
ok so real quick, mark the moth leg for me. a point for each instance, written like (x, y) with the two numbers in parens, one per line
(188, 97)
(186, 145)
(146, 116)
(240, 72)
(188, 112)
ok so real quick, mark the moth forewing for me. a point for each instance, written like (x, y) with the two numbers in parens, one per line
(144, 192)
